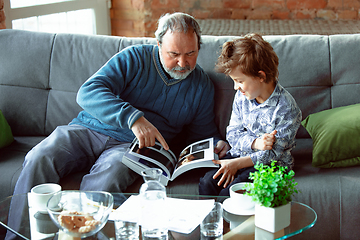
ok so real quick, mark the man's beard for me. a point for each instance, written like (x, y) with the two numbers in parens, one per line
(174, 71)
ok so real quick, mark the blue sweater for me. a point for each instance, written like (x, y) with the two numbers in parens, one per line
(133, 84)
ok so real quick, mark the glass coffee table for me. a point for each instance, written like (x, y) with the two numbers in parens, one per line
(26, 224)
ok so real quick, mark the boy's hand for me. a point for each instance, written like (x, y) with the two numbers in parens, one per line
(228, 170)
(266, 142)
(146, 133)
(221, 148)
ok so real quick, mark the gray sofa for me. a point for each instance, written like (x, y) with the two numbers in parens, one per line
(40, 74)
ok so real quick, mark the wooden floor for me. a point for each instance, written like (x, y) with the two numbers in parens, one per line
(229, 27)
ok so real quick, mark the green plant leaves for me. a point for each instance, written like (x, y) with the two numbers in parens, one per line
(273, 185)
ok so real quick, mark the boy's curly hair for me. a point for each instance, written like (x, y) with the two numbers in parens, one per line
(251, 54)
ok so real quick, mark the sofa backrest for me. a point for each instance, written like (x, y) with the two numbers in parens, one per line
(40, 74)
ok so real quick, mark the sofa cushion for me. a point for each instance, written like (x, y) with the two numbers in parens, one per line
(6, 136)
(335, 133)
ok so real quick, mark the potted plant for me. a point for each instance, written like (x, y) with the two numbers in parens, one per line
(272, 190)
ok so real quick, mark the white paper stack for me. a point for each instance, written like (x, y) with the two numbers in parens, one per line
(184, 214)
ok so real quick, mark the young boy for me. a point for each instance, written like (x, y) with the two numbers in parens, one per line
(264, 119)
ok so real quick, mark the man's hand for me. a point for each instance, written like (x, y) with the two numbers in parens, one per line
(266, 142)
(221, 148)
(146, 133)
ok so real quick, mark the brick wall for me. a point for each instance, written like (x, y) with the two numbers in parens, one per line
(2, 15)
(139, 17)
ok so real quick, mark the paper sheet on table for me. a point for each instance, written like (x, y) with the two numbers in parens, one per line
(184, 214)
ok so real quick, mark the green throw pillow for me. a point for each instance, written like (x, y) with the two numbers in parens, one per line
(336, 136)
(6, 136)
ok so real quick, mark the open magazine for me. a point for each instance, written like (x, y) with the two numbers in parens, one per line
(196, 155)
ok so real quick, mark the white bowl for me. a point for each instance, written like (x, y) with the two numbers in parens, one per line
(240, 199)
(80, 213)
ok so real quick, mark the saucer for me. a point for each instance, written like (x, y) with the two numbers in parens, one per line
(232, 208)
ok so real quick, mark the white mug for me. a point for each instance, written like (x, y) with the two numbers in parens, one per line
(40, 194)
(243, 201)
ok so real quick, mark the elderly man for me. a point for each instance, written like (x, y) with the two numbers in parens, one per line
(145, 91)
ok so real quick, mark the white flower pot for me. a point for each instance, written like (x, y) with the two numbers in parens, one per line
(272, 219)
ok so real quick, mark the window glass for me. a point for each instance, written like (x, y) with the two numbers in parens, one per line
(60, 16)
(79, 21)
(28, 3)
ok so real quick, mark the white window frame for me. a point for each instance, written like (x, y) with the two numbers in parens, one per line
(100, 7)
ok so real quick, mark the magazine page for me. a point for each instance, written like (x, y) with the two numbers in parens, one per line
(150, 157)
(138, 164)
(155, 152)
(197, 155)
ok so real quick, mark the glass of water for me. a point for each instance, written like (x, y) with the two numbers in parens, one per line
(126, 228)
(212, 225)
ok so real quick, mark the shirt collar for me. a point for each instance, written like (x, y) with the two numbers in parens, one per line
(273, 99)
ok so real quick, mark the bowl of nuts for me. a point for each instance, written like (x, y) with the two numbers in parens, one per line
(80, 213)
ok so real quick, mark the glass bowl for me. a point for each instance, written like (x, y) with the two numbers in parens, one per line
(80, 213)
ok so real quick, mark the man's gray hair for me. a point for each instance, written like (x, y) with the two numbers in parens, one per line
(180, 22)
